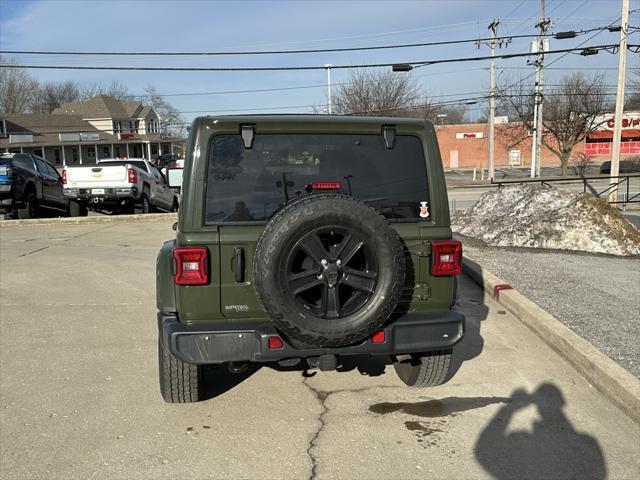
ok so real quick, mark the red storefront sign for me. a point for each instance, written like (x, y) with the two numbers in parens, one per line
(626, 122)
(126, 135)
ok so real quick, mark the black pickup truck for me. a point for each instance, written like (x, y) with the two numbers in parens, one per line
(29, 184)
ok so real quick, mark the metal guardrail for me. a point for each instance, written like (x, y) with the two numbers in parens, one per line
(622, 179)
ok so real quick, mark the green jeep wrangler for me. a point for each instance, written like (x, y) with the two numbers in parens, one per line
(302, 239)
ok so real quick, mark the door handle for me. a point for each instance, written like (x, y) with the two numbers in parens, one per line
(238, 264)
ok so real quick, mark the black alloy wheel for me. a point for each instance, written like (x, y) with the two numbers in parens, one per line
(331, 272)
(328, 270)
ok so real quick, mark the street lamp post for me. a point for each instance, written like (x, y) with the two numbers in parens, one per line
(328, 67)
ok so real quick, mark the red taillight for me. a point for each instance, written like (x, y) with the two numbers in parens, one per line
(64, 177)
(447, 258)
(378, 337)
(191, 266)
(326, 185)
(275, 343)
(133, 175)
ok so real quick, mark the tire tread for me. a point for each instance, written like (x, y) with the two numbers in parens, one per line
(180, 382)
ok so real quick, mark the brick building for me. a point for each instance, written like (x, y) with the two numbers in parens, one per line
(465, 146)
(84, 132)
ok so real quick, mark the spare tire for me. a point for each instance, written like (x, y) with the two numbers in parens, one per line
(328, 270)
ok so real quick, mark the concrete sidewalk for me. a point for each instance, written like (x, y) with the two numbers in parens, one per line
(79, 395)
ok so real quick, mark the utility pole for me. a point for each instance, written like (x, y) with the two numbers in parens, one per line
(538, 120)
(493, 26)
(328, 67)
(617, 128)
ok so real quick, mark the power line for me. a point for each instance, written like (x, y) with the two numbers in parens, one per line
(472, 100)
(419, 63)
(273, 52)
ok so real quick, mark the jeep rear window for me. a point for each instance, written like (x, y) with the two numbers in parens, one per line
(251, 184)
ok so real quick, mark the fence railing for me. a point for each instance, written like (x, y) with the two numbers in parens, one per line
(622, 183)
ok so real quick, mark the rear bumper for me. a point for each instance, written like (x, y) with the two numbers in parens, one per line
(108, 195)
(249, 341)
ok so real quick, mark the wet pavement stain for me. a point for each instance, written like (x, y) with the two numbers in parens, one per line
(426, 433)
(423, 428)
(445, 407)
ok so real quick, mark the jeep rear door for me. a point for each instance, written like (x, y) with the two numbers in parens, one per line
(246, 186)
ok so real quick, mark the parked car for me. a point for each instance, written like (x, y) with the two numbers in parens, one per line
(303, 239)
(119, 186)
(169, 161)
(29, 185)
(626, 166)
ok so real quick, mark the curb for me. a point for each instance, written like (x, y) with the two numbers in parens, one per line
(81, 220)
(613, 381)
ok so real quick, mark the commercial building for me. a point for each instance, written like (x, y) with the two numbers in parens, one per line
(84, 132)
(465, 146)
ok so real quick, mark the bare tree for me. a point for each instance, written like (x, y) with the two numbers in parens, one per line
(450, 114)
(572, 110)
(171, 120)
(633, 101)
(17, 89)
(382, 93)
(52, 95)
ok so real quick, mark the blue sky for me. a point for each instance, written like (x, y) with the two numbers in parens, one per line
(214, 26)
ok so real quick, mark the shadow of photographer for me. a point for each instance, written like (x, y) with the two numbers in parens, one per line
(552, 449)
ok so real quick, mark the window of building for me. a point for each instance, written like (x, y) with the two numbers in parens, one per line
(74, 154)
(91, 153)
(153, 126)
(106, 152)
(56, 155)
(154, 150)
(137, 126)
(130, 126)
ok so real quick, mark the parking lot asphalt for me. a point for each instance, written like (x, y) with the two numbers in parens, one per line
(79, 395)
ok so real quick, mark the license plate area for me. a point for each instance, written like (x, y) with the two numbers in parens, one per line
(220, 347)
(97, 191)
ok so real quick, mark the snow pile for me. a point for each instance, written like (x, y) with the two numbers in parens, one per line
(543, 217)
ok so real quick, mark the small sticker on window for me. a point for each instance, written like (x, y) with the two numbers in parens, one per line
(424, 210)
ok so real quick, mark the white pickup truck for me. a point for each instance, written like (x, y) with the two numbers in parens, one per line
(119, 186)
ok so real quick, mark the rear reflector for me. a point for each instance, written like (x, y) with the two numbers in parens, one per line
(326, 185)
(447, 258)
(191, 266)
(64, 177)
(275, 343)
(378, 337)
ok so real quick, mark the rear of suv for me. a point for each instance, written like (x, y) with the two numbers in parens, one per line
(303, 239)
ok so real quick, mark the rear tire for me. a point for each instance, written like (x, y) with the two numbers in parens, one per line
(30, 206)
(180, 382)
(425, 369)
(144, 206)
(77, 209)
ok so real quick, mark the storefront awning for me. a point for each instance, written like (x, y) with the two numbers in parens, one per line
(608, 134)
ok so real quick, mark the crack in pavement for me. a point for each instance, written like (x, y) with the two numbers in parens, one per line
(322, 397)
(34, 251)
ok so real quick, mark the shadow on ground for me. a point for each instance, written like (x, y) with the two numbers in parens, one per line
(551, 449)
